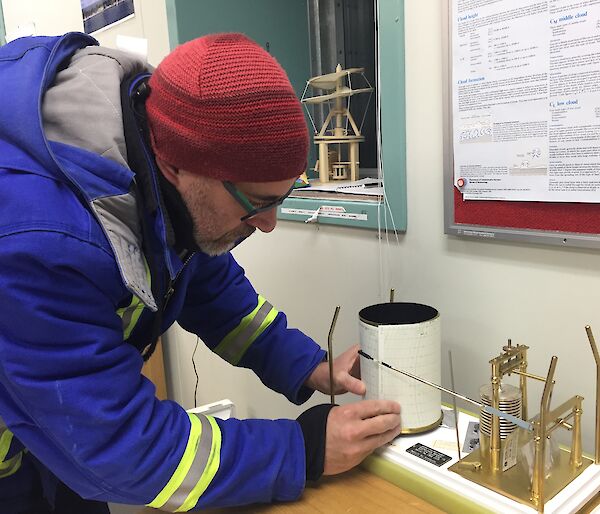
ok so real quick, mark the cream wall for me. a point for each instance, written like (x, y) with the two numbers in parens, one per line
(57, 17)
(485, 291)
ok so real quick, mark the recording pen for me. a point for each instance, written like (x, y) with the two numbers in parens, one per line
(486, 408)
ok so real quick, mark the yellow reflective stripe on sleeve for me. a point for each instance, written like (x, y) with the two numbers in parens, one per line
(183, 467)
(235, 344)
(196, 469)
(131, 314)
(223, 346)
(271, 315)
(5, 440)
(210, 469)
(11, 466)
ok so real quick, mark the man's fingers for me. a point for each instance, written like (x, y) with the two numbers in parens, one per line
(353, 349)
(379, 425)
(355, 430)
(375, 441)
(371, 408)
(355, 369)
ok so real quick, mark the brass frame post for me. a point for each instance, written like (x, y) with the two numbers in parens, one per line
(512, 360)
(495, 438)
(537, 483)
(523, 385)
(592, 341)
(576, 450)
(330, 353)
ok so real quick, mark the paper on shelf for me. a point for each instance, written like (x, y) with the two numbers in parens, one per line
(364, 186)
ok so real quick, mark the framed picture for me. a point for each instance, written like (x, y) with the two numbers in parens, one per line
(99, 14)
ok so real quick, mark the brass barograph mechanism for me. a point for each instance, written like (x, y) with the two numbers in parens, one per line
(494, 464)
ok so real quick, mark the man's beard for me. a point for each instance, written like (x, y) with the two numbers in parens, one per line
(225, 243)
(205, 220)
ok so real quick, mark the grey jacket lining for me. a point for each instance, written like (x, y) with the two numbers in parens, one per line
(82, 108)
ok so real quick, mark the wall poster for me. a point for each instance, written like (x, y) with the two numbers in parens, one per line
(526, 99)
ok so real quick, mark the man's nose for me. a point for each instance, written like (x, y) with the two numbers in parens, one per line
(265, 221)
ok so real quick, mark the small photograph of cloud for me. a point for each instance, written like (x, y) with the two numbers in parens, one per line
(98, 14)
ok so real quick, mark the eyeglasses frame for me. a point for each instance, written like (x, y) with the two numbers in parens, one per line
(251, 210)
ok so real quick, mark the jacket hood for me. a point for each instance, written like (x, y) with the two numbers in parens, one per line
(61, 118)
(82, 107)
(60, 106)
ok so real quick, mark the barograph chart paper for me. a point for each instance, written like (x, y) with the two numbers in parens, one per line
(412, 348)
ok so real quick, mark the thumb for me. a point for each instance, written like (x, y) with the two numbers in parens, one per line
(373, 408)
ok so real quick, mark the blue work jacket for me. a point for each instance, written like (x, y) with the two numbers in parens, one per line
(75, 286)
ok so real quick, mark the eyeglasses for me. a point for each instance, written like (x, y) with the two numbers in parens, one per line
(251, 210)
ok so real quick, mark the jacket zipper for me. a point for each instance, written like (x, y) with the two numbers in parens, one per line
(173, 283)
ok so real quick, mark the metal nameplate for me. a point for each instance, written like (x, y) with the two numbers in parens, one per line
(428, 454)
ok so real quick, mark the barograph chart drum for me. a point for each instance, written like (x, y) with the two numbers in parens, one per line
(406, 336)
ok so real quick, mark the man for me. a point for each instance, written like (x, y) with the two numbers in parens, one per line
(121, 194)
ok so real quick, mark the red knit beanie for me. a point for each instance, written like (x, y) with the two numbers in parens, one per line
(221, 106)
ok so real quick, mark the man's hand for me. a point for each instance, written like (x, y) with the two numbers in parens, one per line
(346, 374)
(355, 430)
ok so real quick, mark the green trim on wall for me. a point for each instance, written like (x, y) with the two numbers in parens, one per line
(393, 134)
(393, 109)
(2, 29)
(172, 23)
(369, 209)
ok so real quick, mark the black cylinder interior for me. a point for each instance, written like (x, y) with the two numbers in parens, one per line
(397, 313)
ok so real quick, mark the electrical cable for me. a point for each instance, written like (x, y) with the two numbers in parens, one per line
(379, 162)
(196, 373)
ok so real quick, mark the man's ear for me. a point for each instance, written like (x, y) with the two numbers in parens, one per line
(171, 173)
